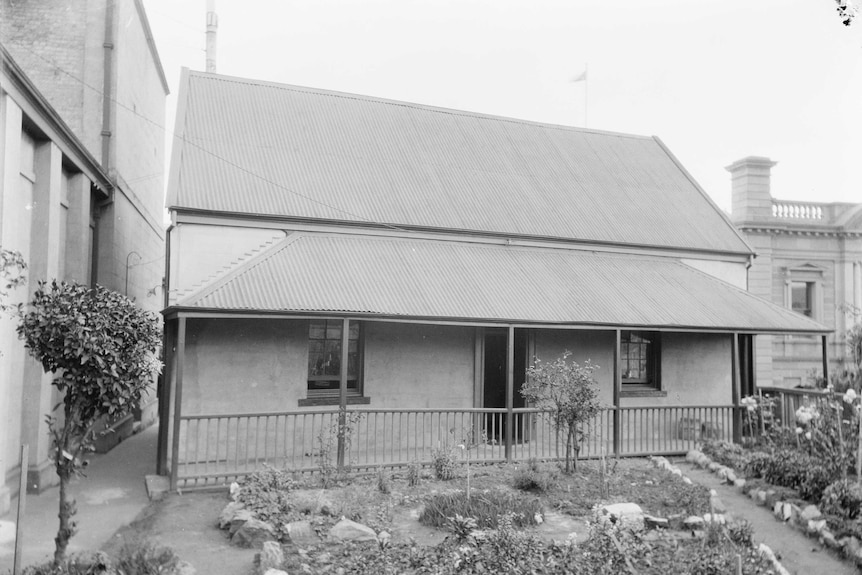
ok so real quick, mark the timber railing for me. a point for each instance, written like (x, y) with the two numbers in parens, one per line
(787, 401)
(213, 450)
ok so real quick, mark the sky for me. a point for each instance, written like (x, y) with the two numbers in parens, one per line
(715, 80)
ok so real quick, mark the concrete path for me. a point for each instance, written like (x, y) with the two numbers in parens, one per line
(799, 554)
(111, 496)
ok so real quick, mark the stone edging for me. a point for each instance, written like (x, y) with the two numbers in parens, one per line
(808, 520)
(715, 503)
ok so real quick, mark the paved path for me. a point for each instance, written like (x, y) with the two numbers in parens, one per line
(799, 554)
(112, 495)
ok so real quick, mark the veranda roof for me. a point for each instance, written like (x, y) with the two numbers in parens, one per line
(258, 148)
(394, 277)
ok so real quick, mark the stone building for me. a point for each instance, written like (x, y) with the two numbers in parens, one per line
(82, 110)
(809, 259)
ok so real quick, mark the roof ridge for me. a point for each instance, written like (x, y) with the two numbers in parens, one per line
(407, 104)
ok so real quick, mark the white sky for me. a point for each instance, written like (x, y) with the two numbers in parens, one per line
(716, 80)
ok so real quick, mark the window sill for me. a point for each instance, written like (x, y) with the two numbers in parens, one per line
(333, 400)
(643, 393)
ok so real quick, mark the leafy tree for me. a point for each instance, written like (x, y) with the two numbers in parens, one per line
(103, 352)
(569, 391)
(12, 266)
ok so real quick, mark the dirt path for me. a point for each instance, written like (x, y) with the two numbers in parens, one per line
(799, 554)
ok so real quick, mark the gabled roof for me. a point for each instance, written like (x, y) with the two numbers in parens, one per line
(252, 147)
(460, 281)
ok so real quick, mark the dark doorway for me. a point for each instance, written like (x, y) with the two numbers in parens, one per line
(494, 393)
(747, 380)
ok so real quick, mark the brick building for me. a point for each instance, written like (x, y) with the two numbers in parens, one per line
(809, 258)
(82, 109)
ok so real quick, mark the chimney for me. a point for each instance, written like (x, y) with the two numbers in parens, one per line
(751, 197)
(212, 28)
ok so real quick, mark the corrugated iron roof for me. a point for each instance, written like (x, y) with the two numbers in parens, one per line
(253, 147)
(396, 277)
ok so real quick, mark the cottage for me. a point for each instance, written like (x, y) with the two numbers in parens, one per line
(407, 263)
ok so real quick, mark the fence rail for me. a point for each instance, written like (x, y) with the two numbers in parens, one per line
(789, 400)
(216, 449)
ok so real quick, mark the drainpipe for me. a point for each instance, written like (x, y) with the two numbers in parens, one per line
(107, 87)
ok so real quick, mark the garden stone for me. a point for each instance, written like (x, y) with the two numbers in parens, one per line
(384, 537)
(702, 461)
(816, 526)
(692, 455)
(810, 512)
(629, 515)
(253, 534)
(722, 473)
(651, 522)
(234, 491)
(771, 497)
(240, 518)
(275, 572)
(713, 466)
(271, 557)
(300, 533)
(760, 498)
(694, 522)
(828, 539)
(776, 509)
(716, 504)
(850, 545)
(731, 477)
(786, 511)
(739, 483)
(753, 495)
(347, 530)
(228, 513)
(687, 481)
(185, 568)
(676, 471)
(714, 517)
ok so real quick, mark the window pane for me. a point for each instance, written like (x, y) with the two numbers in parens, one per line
(316, 329)
(315, 364)
(333, 329)
(353, 333)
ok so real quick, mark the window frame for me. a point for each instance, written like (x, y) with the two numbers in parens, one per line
(329, 395)
(651, 384)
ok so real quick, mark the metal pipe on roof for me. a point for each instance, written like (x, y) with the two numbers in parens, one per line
(212, 28)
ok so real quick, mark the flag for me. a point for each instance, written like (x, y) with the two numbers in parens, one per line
(582, 77)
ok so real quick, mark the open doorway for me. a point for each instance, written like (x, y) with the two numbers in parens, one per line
(494, 379)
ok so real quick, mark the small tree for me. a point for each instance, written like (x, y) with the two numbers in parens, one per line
(103, 351)
(569, 391)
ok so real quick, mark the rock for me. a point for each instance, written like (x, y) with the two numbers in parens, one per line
(760, 498)
(228, 513)
(713, 466)
(275, 572)
(300, 534)
(850, 545)
(239, 519)
(703, 461)
(776, 509)
(271, 557)
(739, 483)
(651, 522)
(253, 534)
(627, 515)
(347, 530)
(753, 495)
(384, 537)
(693, 523)
(234, 491)
(716, 504)
(828, 539)
(815, 526)
(692, 455)
(676, 471)
(771, 497)
(687, 481)
(810, 512)
(731, 477)
(185, 568)
(722, 473)
(857, 557)
(786, 511)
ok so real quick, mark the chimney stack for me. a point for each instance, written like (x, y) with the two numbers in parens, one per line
(751, 196)
(212, 28)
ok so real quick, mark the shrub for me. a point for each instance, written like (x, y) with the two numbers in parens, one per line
(444, 460)
(266, 493)
(741, 532)
(145, 558)
(383, 485)
(413, 473)
(790, 468)
(485, 507)
(532, 477)
(74, 565)
(726, 453)
(842, 498)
